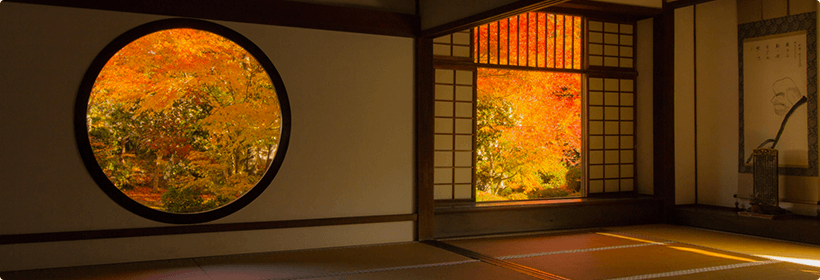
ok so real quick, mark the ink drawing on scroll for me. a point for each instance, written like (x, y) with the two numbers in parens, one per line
(774, 87)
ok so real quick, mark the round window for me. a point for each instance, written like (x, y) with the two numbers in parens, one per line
(182, 121)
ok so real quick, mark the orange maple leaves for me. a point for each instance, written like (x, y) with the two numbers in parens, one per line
(532, 39)
(529, 129)
(193, 109)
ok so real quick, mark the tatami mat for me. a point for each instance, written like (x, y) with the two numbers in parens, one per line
(623, 262)
(622, 253)
(473, 271)
(185, 269)
(510, 246)
(769, 248)
(313, 263)
(774, 271)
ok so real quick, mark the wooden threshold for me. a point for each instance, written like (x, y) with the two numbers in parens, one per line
(473, 219)
(191, 229)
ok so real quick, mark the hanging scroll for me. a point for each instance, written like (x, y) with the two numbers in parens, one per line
(778, 92)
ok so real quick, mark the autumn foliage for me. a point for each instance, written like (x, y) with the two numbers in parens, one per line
(183, 120)
(528, 134)
(541, 40)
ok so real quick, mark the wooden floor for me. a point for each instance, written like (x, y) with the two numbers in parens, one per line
(636, 252)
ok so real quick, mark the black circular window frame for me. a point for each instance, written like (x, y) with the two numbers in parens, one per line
(96, 172)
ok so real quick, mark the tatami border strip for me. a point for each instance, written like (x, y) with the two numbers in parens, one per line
(697, 270)
(344, 273)
(693, 245)
(581, 250)
(546, 232)
(494, 261)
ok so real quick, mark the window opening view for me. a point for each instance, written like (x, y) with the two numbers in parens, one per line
(528, 122)
(529, 96)
(528, 135)
(184, 120)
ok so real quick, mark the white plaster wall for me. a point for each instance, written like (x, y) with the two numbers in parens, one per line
(717, 102)
(684, 106)
(717, 109)
(644, 159)
(351, 148)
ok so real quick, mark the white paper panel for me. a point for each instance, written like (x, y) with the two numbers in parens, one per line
(464, 142)
(464, 93)
(611, 62)
(595, 26)
(627, 113)
(443, 159)
(596, 49)
(627, 99)
(611, 142)
(463, 175)
(444, 109)
(612, 157)
(627, 28)
(611, 113)
(596, 98)
(611, 27)
(612, 98)
(443, 192)
(627, 156)
(627, 127)
(627, 185)
(443, 39)
(463, 192)
(611, 185)
(596, 157)
(596, 142)
(627, 40)
(627, 142)
(626, 52)
(464, 110)
(461, 38)
(596, 127)
(595, 37)
(443, 175)
(627, 62)
(444, 125)
(464, 77)
(461, 51)
(627, 170)
(596, 186)
(464, 126)
(611, 84)
(444, 76)
(463, 159)
(439, 49)
(444, 92)
(596, 113)
(596, 171)
(611, 127)
(443, 142)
